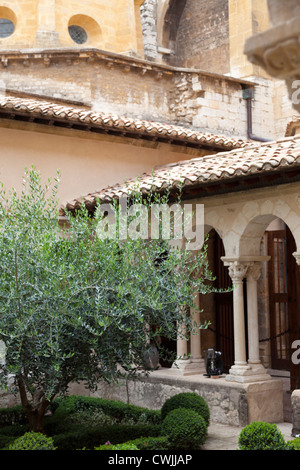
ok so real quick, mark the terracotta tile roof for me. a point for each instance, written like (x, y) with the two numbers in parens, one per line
(90, 119)
(263, 159)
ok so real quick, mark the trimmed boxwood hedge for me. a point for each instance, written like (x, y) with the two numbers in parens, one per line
(260, 435)
(32, 441)
(115, 409)
(125, 446)
(11, 415)
(115, 434)
(185, 429)
(151, 443)
(188, 400)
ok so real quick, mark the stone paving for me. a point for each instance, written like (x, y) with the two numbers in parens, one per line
(223, 437)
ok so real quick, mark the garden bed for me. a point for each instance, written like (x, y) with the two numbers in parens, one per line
(86, 423)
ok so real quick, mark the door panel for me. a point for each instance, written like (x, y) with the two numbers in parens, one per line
(283, 294)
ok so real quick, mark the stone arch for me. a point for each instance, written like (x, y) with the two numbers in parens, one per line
(252, 229)
(169, 13)
(215, 221)
(92, 28)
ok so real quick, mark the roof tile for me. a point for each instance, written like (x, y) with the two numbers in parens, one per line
(257, 159)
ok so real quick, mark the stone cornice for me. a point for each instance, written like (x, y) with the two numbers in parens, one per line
(71, 55)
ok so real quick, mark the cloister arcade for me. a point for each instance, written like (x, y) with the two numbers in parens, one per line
(259, 240)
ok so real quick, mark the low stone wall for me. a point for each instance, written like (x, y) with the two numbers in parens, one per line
(296, 412)
(231, 403)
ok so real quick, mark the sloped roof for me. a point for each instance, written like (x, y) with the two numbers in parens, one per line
(41, 111)
(268, 159)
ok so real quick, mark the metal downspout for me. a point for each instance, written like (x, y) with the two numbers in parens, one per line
(248, 96)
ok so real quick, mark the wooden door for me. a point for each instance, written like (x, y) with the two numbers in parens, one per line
(283, 293)
(224, 309)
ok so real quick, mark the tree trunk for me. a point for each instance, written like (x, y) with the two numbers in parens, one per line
(36, 410)
(36, 420)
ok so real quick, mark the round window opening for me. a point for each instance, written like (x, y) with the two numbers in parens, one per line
(6, 28)
(78, 34)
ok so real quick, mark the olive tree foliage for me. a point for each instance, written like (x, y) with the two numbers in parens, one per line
(75, 307)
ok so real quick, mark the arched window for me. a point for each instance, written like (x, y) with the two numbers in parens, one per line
(78, 34)
(85, 30)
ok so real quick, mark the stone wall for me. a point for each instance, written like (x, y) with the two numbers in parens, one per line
(296, 412)
(203, 36)
(136, 88)
(229, 403)
(110, 25)
(149, 29)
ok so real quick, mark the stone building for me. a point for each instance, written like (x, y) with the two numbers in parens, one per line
(109, 91)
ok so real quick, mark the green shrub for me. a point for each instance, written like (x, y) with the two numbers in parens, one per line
(12, 415)
(125, 446)
(15, 430)
(5, 441)
(187, 400)
(91, 438)
(261, 436)
(117, 410)
(294, 444)
(32, 441)
(185, 429)
(151, 443)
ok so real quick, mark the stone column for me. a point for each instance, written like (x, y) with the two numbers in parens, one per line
(257, 369)
(253, 334)
(237, 272)
(46, 35)
(196, 353)
(182, 361)
(243, 371)
(189, 364)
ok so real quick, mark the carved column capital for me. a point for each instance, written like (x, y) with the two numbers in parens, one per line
(277, 51)
(237, 271)
(254, 270)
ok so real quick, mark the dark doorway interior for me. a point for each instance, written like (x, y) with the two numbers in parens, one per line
(224, 308)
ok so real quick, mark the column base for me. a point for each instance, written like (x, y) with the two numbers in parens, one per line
(246, 373)
(46, 39)
(189, 366)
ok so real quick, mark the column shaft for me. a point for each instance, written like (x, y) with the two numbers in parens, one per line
(237, 273)
(252, 307)
(196, 338)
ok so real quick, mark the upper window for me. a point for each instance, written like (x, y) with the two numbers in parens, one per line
(78, 34)
(6, 28)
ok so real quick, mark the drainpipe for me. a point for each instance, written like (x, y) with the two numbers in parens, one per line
(248, 94)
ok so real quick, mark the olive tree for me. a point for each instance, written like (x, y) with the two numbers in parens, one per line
(77, 307)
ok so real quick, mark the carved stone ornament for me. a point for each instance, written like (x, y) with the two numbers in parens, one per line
(237, 271)
(277, 50)
(254, 271)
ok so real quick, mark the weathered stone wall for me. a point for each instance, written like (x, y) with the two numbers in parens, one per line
(135, 88)
(203, 36)
(229, 403)
(149, 29)
(296, 412)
